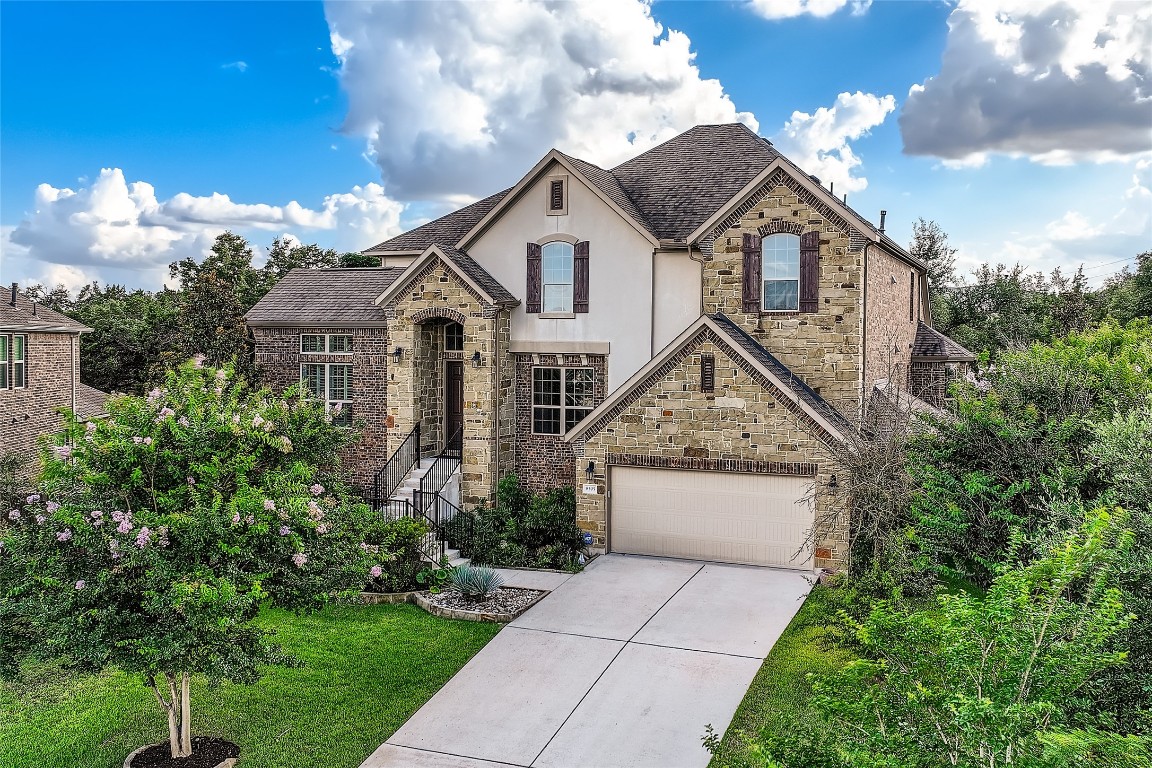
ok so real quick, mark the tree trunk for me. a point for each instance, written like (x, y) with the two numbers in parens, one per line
(186, 714)
(178, 707)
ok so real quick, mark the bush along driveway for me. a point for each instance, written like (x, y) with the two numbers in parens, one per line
(364, 670)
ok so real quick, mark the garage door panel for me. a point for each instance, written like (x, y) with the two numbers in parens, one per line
(722, 516)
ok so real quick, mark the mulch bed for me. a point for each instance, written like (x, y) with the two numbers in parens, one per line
(207, 752)
(503, 601)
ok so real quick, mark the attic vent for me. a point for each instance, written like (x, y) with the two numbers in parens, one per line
(707, 373)
(556, 197)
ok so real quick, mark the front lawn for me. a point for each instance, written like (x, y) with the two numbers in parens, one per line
(365, 670)
(776, 711)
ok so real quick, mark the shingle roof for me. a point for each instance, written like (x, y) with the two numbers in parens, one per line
(90, 402)
(611, 187)
(677, 185)
(490, 285)
(782, 372)
(325, 297)
(931, 343)
(446, 229)
(26, 315)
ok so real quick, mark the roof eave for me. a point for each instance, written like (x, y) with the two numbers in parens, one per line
(419, 263)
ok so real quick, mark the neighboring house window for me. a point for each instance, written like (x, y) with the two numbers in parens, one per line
(911, 296)
(326, 344)
(781, 272)
(4, 364)
(557, 277)
(561, 397)
(453, 337)
(19, 372)
(332, 383)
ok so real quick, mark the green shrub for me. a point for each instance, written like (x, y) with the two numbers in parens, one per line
(523, 530)
(399, 543)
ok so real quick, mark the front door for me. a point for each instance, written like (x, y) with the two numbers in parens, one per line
(453, 398)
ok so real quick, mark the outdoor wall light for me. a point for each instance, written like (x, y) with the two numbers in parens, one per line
(397, 354)
(591, 470)
(476, 359)
(832, 482)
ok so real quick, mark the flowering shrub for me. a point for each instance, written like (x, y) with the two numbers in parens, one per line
(158, 532)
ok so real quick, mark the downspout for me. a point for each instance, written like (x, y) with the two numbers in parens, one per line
(863, 330)
(700, 261)
(652, 309)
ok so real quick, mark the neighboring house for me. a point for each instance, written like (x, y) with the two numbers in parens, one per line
(39, 373)
(684, 338)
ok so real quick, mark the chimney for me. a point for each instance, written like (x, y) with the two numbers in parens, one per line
(14, 293)
(832, 188)
(883, 215)
(34, 309)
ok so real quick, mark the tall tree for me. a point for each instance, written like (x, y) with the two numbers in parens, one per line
(930, 245)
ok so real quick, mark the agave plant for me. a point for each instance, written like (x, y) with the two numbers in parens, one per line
(474, 582)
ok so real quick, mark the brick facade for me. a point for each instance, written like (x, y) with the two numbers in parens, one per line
(278, 361)
(546, 461)
(53, 373)
(928, 380)
(890, 328)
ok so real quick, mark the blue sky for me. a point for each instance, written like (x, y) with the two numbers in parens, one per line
(132, 133)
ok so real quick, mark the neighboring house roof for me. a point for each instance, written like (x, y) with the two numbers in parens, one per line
(902, 400)
(743, 345)
(331, 297)
(464, 266)
(91, 402)
(19, 313)
(932, 344)
(446, 229)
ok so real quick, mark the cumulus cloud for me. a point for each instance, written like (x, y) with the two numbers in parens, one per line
(240, 66)
(460, 98)
(112, 227)
(818, 142)
(785, 9)
(1052, 81)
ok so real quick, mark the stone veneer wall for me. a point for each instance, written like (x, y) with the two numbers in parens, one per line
(823, 347)
(745, 425)
(436, 293)
(278, 360)
(53, 372)
(888, 331)
(544, 462)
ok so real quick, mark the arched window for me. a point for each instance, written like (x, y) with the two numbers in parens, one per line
(556, 278)
(781, 272)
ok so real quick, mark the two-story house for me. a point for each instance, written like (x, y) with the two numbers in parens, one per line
(683, 338)
(39, 373)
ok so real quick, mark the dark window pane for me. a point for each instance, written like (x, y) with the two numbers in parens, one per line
(454, 337)
(311, 343)
(340, 344)
(781, 294)
(546, 386)
(573, 416)
(341, 414)
(313, 376)
(579, 387)
(546, 421)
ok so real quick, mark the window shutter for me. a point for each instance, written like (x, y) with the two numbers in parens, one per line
(556, 195)
(580, 277)
(532, 293)
(753, 284)
(810, 272)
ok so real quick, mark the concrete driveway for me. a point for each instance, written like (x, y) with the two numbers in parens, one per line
(622, 665)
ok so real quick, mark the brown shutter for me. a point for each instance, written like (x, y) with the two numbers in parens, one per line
(810, 272)
(753, 284)
(532, 292)
(556, 196)
(580, 277)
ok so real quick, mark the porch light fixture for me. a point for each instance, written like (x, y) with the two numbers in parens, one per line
(591, 470)
(397, 354)
(476, 359)
(832, 484)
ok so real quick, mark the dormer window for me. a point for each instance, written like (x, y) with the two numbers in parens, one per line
(781, 273)
(557, 189)
(557, 277)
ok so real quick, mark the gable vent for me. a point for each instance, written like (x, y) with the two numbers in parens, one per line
(556, 195)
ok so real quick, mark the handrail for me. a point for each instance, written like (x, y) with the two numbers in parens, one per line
(392, 474)
(437, 476)
(432, 547)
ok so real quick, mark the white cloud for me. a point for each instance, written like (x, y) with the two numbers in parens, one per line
(241, 66)
(115, 229)
(818, 142)
(784, 9)
(1052, 81)
(461, 98)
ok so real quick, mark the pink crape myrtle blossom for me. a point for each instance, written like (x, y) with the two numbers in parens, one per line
(316, 489)
(51, 507)
(143, 537)
(40, 519)
(321, 529)
(285, 530)
(375, 571)
(61, 452)
(81, 584)
(269, 505)
(64, 535)
(33, 498)
(198, 360)
(14, 515)
(299, 559)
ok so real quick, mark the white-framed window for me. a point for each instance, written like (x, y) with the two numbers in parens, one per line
(781, 273)
(332, 383)
(326, 343)
(13, 362)
(561, 398)
(557, 261)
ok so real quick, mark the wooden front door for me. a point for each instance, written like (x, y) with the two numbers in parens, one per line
(453, 398)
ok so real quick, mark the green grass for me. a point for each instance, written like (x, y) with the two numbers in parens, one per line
(776, 710)
(365, 670)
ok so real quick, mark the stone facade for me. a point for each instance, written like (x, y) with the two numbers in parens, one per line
(53, 372)
(278, 360)
(892, 313)
(744, 424)
(415, 386)
(546, 461)
(823, 347)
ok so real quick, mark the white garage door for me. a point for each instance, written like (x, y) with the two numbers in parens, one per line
(729, 517)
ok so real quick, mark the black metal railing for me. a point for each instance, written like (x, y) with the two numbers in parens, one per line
(432, 545)
(392, 474)
(437, 476)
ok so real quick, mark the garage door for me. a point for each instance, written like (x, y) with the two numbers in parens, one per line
(729, 517)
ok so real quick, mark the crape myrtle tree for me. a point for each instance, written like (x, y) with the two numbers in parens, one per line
(157, 533)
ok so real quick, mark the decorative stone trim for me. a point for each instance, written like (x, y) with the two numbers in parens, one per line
(422, 600)
(780, 226)
(387, 598)
(801, 469)
(435, 313)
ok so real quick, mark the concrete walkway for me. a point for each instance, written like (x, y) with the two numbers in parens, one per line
(622, 665)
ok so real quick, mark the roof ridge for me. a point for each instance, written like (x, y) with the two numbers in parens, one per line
(670, 139)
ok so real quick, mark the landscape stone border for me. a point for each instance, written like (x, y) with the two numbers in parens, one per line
(458, 613)
(226, 763)
(386, 598)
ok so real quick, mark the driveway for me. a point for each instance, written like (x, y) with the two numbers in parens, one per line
(622, 665)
